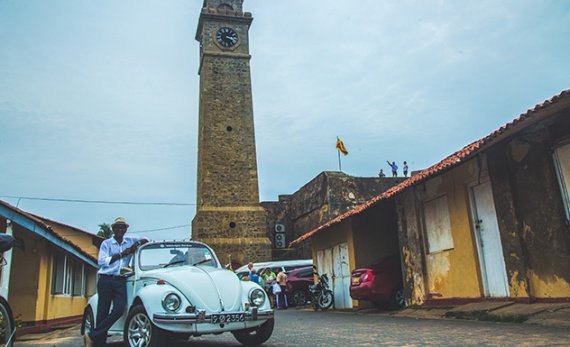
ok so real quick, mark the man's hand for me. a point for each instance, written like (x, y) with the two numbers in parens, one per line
(136, 245)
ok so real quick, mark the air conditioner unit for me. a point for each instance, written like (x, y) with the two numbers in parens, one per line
(279, 228)
(280, 241)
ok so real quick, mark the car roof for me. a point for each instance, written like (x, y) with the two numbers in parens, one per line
(277, 263)
(301, 269)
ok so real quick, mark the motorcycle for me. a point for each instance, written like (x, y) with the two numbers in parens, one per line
(321, 295)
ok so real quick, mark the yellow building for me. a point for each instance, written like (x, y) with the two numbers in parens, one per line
(489, 222)
(48, 282)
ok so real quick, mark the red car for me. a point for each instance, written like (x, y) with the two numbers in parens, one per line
(380, 283)
(298, 282)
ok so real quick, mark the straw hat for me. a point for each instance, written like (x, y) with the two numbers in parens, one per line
(119, 220)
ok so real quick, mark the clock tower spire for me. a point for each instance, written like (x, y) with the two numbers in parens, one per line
(229, 216)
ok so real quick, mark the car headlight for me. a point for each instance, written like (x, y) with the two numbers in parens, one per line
(257, 297)
(171, 302)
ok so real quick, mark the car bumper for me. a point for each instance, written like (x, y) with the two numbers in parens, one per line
(366, 292)
(201, 316)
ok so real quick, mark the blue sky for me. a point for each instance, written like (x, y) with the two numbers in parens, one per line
(99, 99)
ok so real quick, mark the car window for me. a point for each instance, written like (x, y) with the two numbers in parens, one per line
(162, 255)
(294, 267)
(305, 273)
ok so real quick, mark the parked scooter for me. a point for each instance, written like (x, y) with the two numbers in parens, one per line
(321, 295)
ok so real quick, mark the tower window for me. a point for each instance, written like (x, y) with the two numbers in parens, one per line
(229, 128)
(232, 225)
(225, 7)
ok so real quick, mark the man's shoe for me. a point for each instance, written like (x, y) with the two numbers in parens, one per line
(87, 340)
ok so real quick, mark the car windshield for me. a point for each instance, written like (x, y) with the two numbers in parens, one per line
(166, 254)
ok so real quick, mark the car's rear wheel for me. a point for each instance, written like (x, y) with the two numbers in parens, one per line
(299, 298)
(398, 297)
(255, 336)
(139, 330)
(88, 321)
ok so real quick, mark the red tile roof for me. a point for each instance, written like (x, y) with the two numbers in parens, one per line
(539, 112)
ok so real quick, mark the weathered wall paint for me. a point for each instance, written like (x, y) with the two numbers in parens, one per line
(25, 275)
(412, 249)
(452, 273)
(455, 274)
(549, 287)
(534, 232)
(534, 229)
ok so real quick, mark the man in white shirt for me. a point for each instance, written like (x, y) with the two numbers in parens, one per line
(114, 253)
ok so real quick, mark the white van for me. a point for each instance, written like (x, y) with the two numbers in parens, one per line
(283, 265)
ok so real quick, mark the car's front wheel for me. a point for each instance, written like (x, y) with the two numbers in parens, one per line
(299, 298)
(255, 336)
(139, 330)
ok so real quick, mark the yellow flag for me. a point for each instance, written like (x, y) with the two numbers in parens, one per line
(340, 146)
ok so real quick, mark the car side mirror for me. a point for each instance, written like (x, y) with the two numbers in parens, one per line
(127, 271)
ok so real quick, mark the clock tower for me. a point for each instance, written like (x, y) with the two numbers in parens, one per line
(229, 216)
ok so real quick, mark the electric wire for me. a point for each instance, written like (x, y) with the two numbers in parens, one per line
(109, 202)
(100, 201)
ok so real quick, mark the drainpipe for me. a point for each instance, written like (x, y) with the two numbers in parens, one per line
(6, 269)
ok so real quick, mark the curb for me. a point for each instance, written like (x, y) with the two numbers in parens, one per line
(546, 314)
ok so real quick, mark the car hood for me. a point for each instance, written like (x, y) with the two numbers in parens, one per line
(206, 287)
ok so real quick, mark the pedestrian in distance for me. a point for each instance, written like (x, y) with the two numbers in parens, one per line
(281, 296)
(405, 169)
(114, 253)
(261, 280)
(381, 173)
(269, 277)
(394, 168)
(254, 277)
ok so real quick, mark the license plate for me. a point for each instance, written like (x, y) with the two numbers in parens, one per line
(228, 318)
(355, 280)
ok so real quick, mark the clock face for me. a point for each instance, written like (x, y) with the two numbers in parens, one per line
(227, 37)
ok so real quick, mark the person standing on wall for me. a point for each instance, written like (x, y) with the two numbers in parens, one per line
(394, 168)
(405, 169)
(115, 252)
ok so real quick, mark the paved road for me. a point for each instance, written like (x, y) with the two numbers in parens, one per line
(306, 328)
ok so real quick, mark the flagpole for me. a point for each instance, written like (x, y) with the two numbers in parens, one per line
(339, 166)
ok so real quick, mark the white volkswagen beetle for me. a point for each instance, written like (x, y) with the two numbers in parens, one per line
(178, 290)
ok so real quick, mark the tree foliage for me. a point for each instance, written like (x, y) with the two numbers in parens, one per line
(105, 231)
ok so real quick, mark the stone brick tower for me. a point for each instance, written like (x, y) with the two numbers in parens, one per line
(229, 216)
